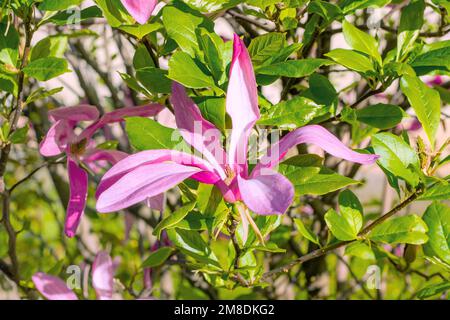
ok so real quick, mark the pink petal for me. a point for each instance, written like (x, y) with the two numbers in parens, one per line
(157, 202)
(198, 132)
(75, 114)
(167, 119)
(140, 10)
(316, 135)
(241, 104)
(141, 183)
(119, 115)
(112, 156)
(56, 140)
(78, 180)
(157, 156)
(52, 288)
(267, 194)
(103, 276)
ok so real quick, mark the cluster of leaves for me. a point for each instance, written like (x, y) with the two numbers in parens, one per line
(205, 232)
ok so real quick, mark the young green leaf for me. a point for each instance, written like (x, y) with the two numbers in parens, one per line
(293, 68)
(433, 289)
(360, 250)
(185, 70)
(46, 68)
(147, 134)
(381, 116)
(351, 210)
(439, 191)
(154, 80)
(351, 60)
(361, 41)
(157, 257)
(426, 103)
(306, 232)
(339, 226)
(264, 47)
(437, 218)
(411, 22)
(407, 229)
(173, 218)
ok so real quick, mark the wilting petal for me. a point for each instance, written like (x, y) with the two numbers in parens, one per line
(78, 180)
(241, 104)
(157, 202)
(267, 194)
(74, 114)
(141, 183)
(140, 10)
(206, 175)
(103, 276)
(56, 140)
(52, 288)
(198, 132)
(119, 115)
(244, 221)
(316, 135)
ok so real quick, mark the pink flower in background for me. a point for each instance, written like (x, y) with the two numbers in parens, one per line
(140, 10)
(264, 191)
(80, 149)
(53, 288)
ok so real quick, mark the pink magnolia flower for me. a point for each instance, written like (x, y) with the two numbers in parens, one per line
(80, 149)
(264, 191)
(53, 288)
(140, 10)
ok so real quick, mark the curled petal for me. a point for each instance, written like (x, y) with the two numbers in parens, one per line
(56, 140)
(140, 10)
(316, 135)
(74, 114)
(119, 115)
(112, 156)
(206, 174)
(103, 276)
(141, 183)
(196, 131)
(267, 194)
(52, 288)
(78, 180)
(241, 105)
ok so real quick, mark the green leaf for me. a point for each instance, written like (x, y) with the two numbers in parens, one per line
(192, 244)
(211, 6)
(9, 44)
(396, 156)
(321, 90)
(433, 60)
(147, 134)
(52, 46)
(73, 17)
(437, 218)
(142, 58)
(42, 93)
(433, 289)
(293, 68)
(361, 41)
(141, 30)
(381, 116)
(292, 113)
(350, 6)
(326, 10)
(360, 250)
(439, 191)
(114, 12)
(213, 57)
(306, 232)
(213, 110)
(183, 69)
(57, 5)
(426, 103)
(411, 22)
(351, 60)
(157, 257)
(181, 26)
(351, 210)
(264, 47)
(154, 79)
(339, 226)
(46, 68)
(173, 218)
(19, 136)
(407, 229)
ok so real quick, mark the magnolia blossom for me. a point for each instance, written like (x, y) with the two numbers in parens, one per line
(140, 10)
(264, 191)
(53, 288)
(80, 149)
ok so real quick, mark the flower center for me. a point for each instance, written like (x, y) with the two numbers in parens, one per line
(78, 148)
(230, 174)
